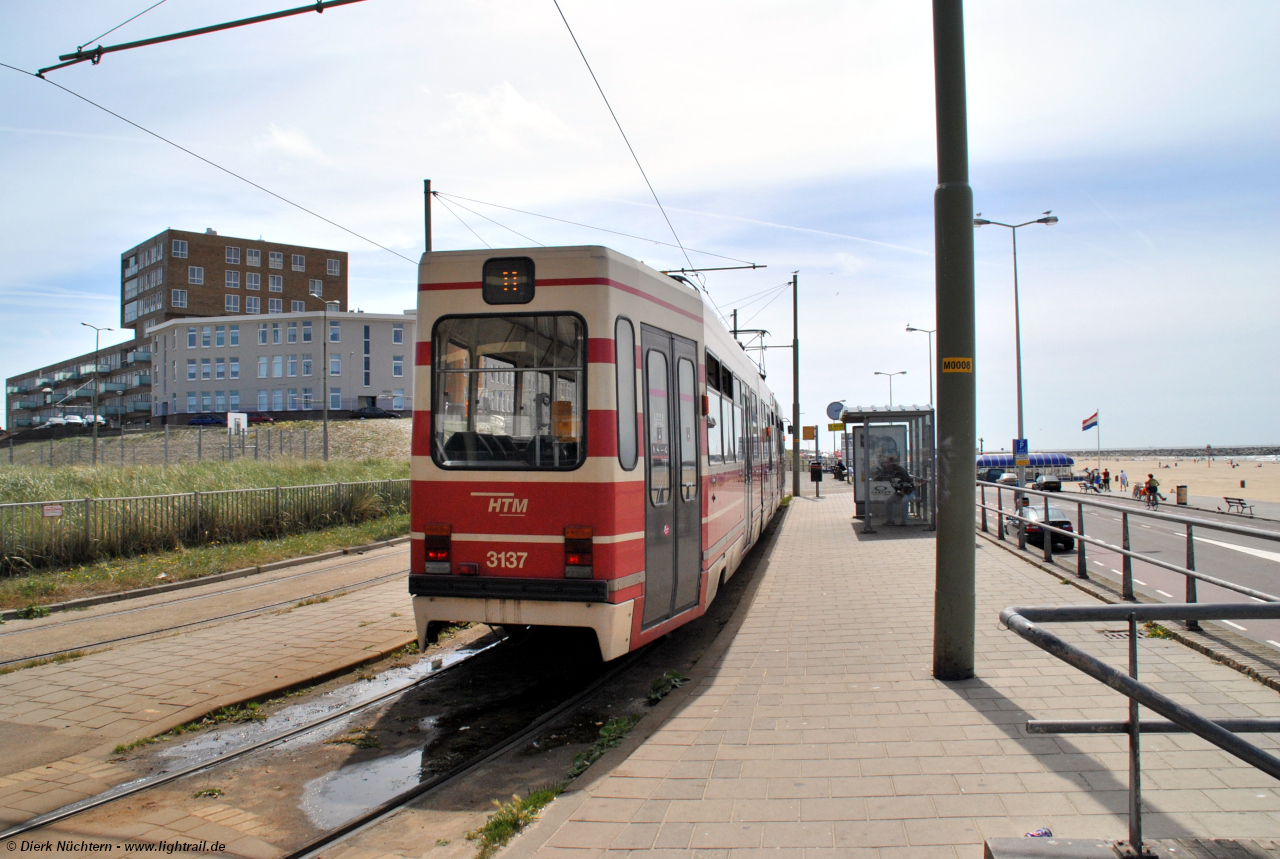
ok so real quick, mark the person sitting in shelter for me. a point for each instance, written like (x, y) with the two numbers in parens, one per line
(904, 485)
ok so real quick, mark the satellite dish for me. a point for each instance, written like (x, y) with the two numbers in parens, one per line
(835, 410)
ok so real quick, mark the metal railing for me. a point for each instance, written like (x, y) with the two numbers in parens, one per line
(1189, 572)
(1221, 732)
(43, 534)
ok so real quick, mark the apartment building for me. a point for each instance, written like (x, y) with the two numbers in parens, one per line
(276, 363)
(174, 275)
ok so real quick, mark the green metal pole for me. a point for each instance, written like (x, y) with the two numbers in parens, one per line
(795, 384)
(954, 606)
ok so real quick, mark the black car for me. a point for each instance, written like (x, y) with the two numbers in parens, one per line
(1047, 483)
(1035, 534)
(208, 421)
(372, 412)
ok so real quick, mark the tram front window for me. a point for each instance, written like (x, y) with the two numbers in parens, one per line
(509, 391)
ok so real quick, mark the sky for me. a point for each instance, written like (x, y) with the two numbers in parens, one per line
(799, 136)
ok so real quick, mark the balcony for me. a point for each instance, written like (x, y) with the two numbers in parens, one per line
(81, 393)
(20, 388)
(142, 380)
(114, 410)
(91, 368)
(24, 422)
(140, 406)
(27, 404)
(71, 374)
(137, 356)
(44, 382)
(115, 387)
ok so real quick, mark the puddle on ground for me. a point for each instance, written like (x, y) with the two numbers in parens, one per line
(220, 741)
(336, 797)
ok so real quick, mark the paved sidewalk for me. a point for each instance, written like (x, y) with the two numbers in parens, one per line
(58, 723)
(821, 732)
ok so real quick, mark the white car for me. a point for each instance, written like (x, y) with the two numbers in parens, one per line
(73, 420)
(55, 421)
(98, 419)
(1009, 478)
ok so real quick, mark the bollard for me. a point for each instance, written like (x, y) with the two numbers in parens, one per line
(1000, 506)
(1127, 566)
(1082, 564)
(1046, 533)
(1192, 625)
(983, 501)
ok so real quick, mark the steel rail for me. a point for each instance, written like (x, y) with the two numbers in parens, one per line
(1212, 580)
(130, 788)
(249, 611)
(1024, 621)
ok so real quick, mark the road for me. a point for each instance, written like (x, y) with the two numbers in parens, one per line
(1249, 561)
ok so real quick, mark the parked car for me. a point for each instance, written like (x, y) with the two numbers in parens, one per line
(1047, 483)
(259, 418)
(208, 421)
(372, 412)
(55, 421)
(98, 419)
(1009, 478)
(1035, 534)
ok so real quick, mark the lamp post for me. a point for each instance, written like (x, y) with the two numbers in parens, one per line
(930, 332)
(97, 333)
(891, 375)
(933, 439)
(1048, 220)
(324, 358)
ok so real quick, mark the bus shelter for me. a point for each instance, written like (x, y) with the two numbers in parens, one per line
(891, 456)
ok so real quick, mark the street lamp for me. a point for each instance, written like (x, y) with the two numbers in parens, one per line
(97, 333)
(930, 332)
(1048, 220)
(324, 343)
(891, 375)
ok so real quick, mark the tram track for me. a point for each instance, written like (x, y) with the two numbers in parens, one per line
(347, 588)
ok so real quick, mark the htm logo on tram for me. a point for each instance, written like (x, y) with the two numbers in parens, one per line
(504, 503)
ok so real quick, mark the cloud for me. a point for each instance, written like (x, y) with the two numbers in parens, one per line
(505, 120)
(290, 142)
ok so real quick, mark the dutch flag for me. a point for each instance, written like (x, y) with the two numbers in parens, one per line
(1090, 422)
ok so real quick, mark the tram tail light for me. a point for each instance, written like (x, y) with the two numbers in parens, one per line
(577, 552)
(438, 539)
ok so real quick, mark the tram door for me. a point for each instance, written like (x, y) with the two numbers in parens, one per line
(673, 518)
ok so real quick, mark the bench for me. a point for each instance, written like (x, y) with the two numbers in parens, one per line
(1238, 505)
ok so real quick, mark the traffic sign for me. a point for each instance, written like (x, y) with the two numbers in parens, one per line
(835, 427)
(810, 433)
(1021, 454)
(835, 410)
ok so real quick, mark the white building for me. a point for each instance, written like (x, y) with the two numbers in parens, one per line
(275, 363)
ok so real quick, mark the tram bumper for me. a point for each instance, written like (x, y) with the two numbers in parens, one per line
(582, 604)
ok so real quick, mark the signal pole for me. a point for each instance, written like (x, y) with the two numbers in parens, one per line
(795, 384)
(954, 599)
(426, 211)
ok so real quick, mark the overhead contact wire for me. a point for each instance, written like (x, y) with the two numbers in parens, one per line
(121, 24)
(465, 224)
(495, 223)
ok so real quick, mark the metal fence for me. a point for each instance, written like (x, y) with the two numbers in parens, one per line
(45, 534)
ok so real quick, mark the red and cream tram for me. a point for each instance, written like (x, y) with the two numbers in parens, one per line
(590, 446)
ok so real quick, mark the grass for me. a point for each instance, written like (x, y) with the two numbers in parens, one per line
(1155, 630)
(612, 734)
(120, 574)
(361, 737)
(48, 660)
(664, 685)
(250, 712)
(74, 482)
(510, 818)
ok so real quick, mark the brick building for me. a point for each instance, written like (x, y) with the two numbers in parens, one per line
(174, 275)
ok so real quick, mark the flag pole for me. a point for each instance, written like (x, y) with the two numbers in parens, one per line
(1097, 416)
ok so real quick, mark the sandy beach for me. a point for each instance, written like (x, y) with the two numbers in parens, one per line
(1217, 479)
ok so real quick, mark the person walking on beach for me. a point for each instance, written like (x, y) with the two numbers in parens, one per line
(1124, 481)
(1106, 479)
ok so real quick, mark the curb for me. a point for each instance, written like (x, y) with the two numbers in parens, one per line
(1118, 497)
(86, 602)
(563, 808)
(1244, 655)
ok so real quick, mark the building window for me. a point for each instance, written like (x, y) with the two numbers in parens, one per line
(276, 283)
(277, 366)
(307, 395)
(205, 402)
(335, 365)
(191, 338)
(333, 267)
(275, 305)
(220, 336)
(179, 298)
(275, 259)
(195, 274)
(397, 365)
(262, 333)
(204, 368)
(292, 336)
(206, 337)
(397, 399)
(191, 369)
(219, 401)
(293, 365)
(293, 399)
(263, 364)
(253, 257)
(275, 333)
(252, 304)
(335, 398)
(306, 365)
(179, 249)
(235, 368)
(234, 396)
(253, 280)
(231, 303)
(397, 332)
(277, 400)
(306, 332)
(299, 262)
(298, 306)
(232, 279)
(233, 256)
(192, 402)
(220, 369)
(316, 287)
(335, 332)
(262, 401)
(235, 335)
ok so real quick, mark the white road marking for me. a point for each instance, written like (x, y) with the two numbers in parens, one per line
(1100, 564)
(1248, 550)
(1117, 572)
(1164, 593)
(1234, 625)
(1255, 599)
(1273, 643)
(1139, 582)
